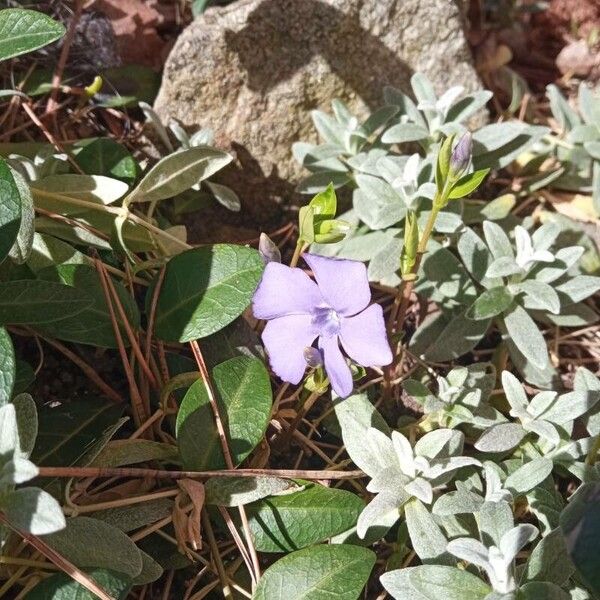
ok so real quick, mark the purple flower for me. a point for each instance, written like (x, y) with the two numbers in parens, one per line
(334, 309)
(461, 155)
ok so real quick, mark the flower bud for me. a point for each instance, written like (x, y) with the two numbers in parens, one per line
(408, 257)
(461, 156)
(313, 357)
(268, 250)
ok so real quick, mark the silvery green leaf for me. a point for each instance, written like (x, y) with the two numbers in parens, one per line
(225, 196)
(495, 520)
(526, 336)
(405, 104)
(471, 550)
(329, 129)
(497, 240)
(562, 111)
(543, 590)
(539, 296)
(550, 560)
(404, 132)
(468, 106)
(515, 394)
(541, 402)
(543, 237)
(491, 143)
(426, 537)
(308, 154)
(342, 113)
(21, 249)
(447, 220)
(579, 288)
(447, 465)
(17, 471)
(27, 423)
(202, 137)
(318, 182)
(490, 303)
(180, 133)
(378, 191)
(476, 256)
(420, 488)
(160, 129)
(378, 119)
(544, 429)
(384, 508)
(588, 102)
(178, 172)
(440, 443)
(586, 381)
(570, 406)
(593, 149)
(377, 216)
(422, 88)
(500, 438)
(9, 436)
(502, 267)
(432, 582)
(387, 261)
(458, 502)
(528, 476)
(583, 133)
(34, 511)
(573, 315)
(565, 258)
(356, 416)
(91, 188)
(514, 540)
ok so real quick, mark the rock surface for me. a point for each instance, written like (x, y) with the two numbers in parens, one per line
(254, 70)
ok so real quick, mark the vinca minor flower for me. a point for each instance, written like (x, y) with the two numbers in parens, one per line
(333, 310)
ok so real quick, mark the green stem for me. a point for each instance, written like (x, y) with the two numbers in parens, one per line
(297, 252)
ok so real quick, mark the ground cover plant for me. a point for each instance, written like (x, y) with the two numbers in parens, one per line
(393, 395)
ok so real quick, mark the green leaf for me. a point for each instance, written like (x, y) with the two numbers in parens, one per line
(550, 560)
(580, 524)
(60, 586)
(71, 432)
(526, 336)
(179, 172)
(460, 336)
(7, 367)
(135, 516)
(540, 296)
(88, 542)
(93, 325)
(293, 521)
(10, 204)
(467, 184)
(528, 476)
(404, 132)
(324, 204)
(237, 491)
(106, 157)
(432, 582)
(48, 251)
(500, 438)
(427, 539)
(205, 289)
(34, 511)
(33, 302)
(118, 453)
(244, 397)
(23, 31)
(492, 302)
(317, 573)
(443, 162)
(27, 423)
(21, 249)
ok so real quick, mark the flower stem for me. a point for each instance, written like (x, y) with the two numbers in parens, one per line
(300, 247)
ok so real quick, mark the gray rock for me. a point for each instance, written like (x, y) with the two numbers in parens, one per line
(254, 70)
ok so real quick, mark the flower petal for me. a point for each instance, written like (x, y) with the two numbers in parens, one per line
(364, 338)
(336, 367)
(343, 283)
(285, 339)
(284, 291)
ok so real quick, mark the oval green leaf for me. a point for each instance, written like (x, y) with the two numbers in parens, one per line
(244, 397)
(317, 573)
(294, 521)
(32, 302)
(93, 325)
(179, 172)
(23, 30)
(106, 157)
(205, 289)
(491, 303)
(7, 367)
(10, 209)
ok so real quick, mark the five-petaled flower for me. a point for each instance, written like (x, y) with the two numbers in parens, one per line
(334, 309)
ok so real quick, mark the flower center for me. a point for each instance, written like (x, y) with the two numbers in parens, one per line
(326, 321)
